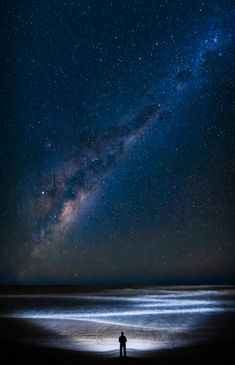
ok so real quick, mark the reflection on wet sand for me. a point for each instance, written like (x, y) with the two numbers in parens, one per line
(153, 318)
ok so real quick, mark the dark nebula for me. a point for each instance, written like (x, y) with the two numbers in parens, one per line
(185, 75)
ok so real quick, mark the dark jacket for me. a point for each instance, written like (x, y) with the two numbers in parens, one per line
(122, 340)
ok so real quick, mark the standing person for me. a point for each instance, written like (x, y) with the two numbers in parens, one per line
(122, 340)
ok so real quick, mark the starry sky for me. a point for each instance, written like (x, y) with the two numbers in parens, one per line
(117, 150)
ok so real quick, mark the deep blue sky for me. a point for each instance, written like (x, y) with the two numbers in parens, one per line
(117, 142)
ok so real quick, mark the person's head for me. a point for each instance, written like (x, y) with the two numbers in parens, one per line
(122, 333)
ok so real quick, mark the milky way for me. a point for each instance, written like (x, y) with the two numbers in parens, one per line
(66, 192)
(63, 195)
(119, 118)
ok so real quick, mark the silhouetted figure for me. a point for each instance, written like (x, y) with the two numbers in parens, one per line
(122, 340)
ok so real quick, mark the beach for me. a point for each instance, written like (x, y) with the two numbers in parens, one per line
(68, 325)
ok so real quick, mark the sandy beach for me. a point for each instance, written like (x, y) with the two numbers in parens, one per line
(74, 325)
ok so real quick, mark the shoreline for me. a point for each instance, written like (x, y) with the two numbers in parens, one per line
(56, 340)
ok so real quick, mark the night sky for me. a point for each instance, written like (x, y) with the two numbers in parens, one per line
(117, 142)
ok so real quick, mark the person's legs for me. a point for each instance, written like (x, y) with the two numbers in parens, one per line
(120, 350)
(125, 350)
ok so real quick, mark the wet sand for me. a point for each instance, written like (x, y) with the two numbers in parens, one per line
(18, 345)
(15, 352)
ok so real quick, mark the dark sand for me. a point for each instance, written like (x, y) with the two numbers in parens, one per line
(20, 354)
(14, 351)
